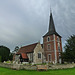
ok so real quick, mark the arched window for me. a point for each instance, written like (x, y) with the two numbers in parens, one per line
(48, 46)
(48, 39)
(57, 38)
(58, 47)
(39, 55)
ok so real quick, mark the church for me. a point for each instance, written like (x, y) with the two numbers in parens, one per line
(48, 52)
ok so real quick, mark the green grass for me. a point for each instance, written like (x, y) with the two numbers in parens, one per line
(5, 71)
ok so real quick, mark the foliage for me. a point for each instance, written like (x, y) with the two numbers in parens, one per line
(5, 71)
(0, 58)
(69, 54)
(16, 49)
(11, 56)
(4, 53)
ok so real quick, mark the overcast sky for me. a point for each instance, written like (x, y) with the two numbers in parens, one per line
(24, 22)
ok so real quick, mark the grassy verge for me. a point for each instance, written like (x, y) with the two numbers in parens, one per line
(5, 71)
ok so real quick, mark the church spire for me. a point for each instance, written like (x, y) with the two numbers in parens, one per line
(51, 24)
(51, 29)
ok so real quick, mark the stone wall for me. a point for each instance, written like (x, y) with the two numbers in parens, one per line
(30, 56)
(29, 67)
(62, 66)
(18, 66)
(38, 49)
(6, 65)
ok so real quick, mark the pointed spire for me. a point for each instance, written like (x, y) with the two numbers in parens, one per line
(51, 29)
(51, 23)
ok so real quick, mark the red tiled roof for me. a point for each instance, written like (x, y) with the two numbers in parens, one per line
(27, 49)
(24, 56)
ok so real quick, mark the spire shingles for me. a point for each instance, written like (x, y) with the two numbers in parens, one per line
(51, 30)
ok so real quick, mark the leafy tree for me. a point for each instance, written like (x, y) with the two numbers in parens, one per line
(69, 54)
(0, 58)
(11, 56)
(16, 49)
(4, 53)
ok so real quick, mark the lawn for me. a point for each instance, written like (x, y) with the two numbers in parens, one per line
(5, 71)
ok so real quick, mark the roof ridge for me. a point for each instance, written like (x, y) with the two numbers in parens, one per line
(29, 45)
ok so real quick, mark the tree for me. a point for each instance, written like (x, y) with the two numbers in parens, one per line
(4, 53)
(11, 56)
(0, 58)
(69, 54)
(16, 49)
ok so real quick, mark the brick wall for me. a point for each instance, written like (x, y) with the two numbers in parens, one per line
(53, 46)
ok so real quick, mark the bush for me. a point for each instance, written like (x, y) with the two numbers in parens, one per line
(4, 53)
(0, 58)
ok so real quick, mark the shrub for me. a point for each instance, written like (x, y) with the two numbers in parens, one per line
(0, 58)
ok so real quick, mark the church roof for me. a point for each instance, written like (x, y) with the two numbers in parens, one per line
(24, 56)
(51, 24)
(27, 49)
(51, 30)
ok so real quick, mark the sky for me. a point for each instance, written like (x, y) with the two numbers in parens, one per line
(24, 22)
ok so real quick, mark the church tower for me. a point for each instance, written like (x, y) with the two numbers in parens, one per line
(52, 43)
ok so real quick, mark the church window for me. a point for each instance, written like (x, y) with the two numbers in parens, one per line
(48, 39)
(39, 55)
(57, 38)
(48, 46)
(58, 47)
